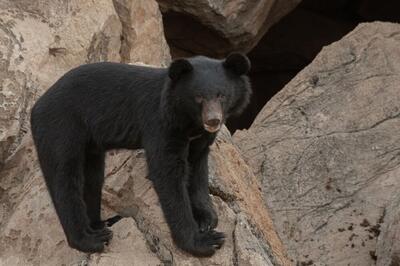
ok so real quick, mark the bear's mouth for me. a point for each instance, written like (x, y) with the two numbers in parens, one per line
(212, 129)
(212, 115)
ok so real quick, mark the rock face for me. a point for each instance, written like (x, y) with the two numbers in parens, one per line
(40, 41)
(142, 32)
(326, 149)
(388, 246)
(251, 238)
(226, 25)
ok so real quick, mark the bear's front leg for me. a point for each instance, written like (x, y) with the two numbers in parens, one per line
(202, 206)
(168, 169)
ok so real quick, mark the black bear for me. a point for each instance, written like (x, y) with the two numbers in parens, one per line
(173, 113)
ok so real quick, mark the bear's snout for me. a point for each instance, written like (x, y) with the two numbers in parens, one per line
(212, 115)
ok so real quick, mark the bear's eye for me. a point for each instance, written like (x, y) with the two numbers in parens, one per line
(199, 99)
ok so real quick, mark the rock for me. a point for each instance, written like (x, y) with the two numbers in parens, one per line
(326, 149)
(40, 41)
(287, 48)
(142, 32)
(249, 249)
(234, 181)
(15, 177)
(388, 246)
(129, 247)
(251, 237)
(31, 234)
(224, 25)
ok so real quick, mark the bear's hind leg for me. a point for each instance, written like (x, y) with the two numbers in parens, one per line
(94, 179)
(66, 188)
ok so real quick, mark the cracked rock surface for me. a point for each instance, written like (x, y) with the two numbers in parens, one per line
(326, 149)
(388, 246)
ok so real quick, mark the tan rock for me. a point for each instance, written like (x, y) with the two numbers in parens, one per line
(142, 32)
(326, 149)
(234, 181)
(240, 23)
(249, 249)
(236, 196)
(388, 245)
(128, 248)
(39, 43)
(32, 234)
(42, 40)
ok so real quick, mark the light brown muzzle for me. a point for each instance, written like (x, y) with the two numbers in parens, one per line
(212, 115)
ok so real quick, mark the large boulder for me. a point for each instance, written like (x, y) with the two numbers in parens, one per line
(220, 26)
(142, 38)
(326, 149)
(41, 40)
(388, 246)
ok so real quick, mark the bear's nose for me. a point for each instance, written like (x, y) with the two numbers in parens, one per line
(213, 122)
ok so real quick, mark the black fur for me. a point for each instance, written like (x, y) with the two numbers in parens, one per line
(237, 63)
(178, 68)
(102, 106)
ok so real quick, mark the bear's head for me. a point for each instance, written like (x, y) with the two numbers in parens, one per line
(207, 91)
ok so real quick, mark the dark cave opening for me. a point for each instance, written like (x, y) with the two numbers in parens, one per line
(287, 47)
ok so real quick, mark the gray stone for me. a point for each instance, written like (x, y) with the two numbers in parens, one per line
(388, 246)
(326, 149)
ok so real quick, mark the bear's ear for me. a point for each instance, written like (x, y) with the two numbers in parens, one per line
(179, 67)
(238, 63)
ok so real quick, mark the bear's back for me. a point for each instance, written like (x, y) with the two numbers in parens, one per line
(99, 88)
